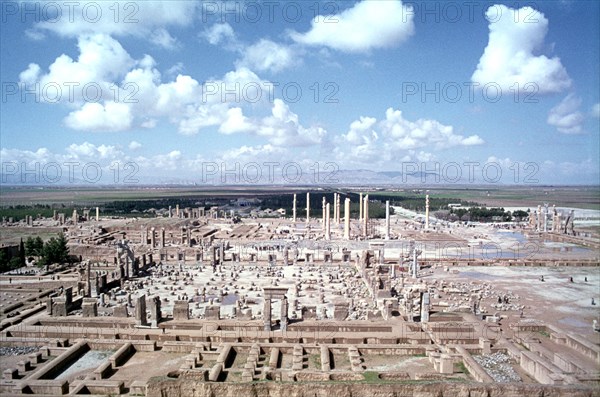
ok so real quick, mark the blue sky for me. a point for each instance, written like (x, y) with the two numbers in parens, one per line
(362, 84)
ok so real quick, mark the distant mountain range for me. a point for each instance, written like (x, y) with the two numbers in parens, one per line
(341, 177)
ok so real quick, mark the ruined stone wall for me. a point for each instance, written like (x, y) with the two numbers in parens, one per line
(164, 387)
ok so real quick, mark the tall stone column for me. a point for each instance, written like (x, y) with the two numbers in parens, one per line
(323, 213)
(338, 207)
(88, 279)
(267, 315)
(427, 212)
(347, 219)
(327, 222)
(177, 211)
(97, 214)
(307, 208)
(153, 237)
(415, 264)
(162, 237)
(360, 207)
(284, 314)
(387, 220)
(334, 207)
(294, 210)
(366, 216)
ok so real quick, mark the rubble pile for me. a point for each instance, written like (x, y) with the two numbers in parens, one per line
(498, 366)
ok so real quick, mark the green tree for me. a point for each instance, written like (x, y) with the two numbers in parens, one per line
(14, 263)
(34, 246)
(22, 252)
(4, 259)
(55, 251)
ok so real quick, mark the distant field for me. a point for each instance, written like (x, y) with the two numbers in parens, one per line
(577, 197)
(496, 196)
(89, 196)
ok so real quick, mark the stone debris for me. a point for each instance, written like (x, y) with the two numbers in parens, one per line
(498, 366)
(17, 350)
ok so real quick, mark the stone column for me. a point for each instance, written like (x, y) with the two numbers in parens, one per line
(539, 218)
(323, 211)
(427, 212)
(152, 238)
(140, 311)
(415, 264)
(97, 214)
(75, 217)
(213, 255)
(267, 315)
(177, 211)
(425, 308)
(347, 219)
(284, 314)
(327, 223)
(366, 216)
(360, 206)
(294, 210)
(307, 207)
(155, 313)
(189, 237)
(162, 237)
(338, 207)
(387, 220)
(334, 207)
(170, 212)
(286, 260)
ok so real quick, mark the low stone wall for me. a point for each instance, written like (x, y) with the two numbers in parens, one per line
(477, 371)
(540, 369)
(53, 367)
(575, 343)
(192, 388)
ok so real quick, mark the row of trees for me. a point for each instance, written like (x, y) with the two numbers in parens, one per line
(52, 251)
(479, 214)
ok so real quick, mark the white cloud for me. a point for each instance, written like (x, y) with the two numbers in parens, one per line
(134, 145)
(266, 55)
(30, 75)
(110, 117)
(89, 151)
(395, 138)
(102, 60)
(150, 124)
(401, 133)
(595, 112)
(365, 26)
(220, 33)
(566, 116)
(35, 35)
(251, 153)
(163, 39)
(283, 128)
(235, 122)
(509, 58)
(119, 18)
